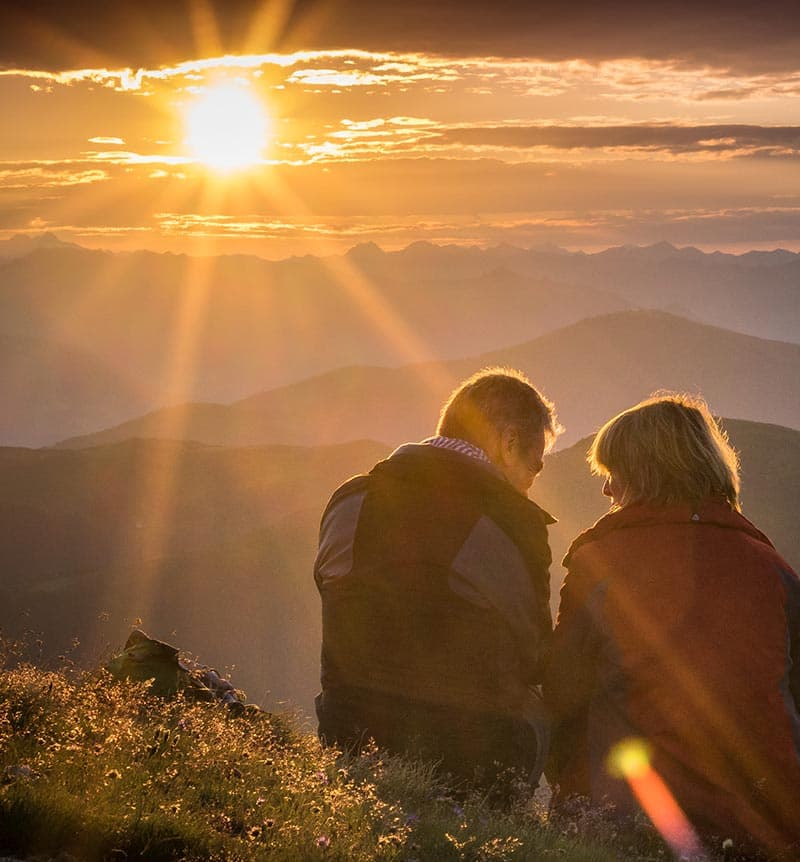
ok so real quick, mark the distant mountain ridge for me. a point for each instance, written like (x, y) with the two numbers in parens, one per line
(21, 244)
(219, 329)
(591, 370)
(222, 328)
(757, 293)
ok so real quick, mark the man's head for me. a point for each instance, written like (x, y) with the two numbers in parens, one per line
(499, 410)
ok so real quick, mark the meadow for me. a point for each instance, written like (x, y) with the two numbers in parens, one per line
(93, 769)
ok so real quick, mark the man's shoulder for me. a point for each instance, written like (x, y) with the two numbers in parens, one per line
(355, 485)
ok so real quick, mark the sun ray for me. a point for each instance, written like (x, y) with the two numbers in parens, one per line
(205, 31)
(368, 298)
(268, 25)
(159, 485)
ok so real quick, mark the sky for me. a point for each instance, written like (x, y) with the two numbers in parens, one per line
(279, 128)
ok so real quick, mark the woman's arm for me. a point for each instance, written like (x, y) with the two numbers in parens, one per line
(572, 669)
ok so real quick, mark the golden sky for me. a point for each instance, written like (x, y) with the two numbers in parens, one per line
(280, 128)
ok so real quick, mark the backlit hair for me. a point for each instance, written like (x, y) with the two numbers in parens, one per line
(496, 399)
(667, 449)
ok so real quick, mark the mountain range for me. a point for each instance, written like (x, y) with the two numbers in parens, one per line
(174, 328)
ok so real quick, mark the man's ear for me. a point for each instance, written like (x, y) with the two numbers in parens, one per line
(492, 444)
(509, 441)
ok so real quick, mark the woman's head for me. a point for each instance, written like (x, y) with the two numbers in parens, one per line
(667, 449)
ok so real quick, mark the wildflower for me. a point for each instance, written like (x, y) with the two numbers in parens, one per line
(269, 823)
(321, 777)
(255, 832)
(14, 773)
(114, 774)
(323, 842)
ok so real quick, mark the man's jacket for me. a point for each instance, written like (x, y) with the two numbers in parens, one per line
(680, 626)
(433, 573)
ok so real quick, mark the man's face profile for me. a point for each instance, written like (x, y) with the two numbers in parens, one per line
(519, 461)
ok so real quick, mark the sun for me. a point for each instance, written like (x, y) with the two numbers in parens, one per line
(226, 128)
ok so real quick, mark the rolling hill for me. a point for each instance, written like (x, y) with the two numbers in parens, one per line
(591, 369)
(46, 385)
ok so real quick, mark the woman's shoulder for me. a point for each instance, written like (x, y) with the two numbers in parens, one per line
(646, 516)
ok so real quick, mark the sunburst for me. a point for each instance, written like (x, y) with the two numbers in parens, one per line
(226, 128)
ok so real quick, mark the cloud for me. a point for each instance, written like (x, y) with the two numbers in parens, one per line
(473, 81)
(398, 188)
(48, 176)
(737, 34)
(673, 139)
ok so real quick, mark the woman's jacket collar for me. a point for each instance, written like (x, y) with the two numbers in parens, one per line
(713, 511)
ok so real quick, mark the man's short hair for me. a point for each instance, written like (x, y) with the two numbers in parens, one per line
(497, 399)
(667, 449)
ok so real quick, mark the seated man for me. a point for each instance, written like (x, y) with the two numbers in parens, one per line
(433, 572)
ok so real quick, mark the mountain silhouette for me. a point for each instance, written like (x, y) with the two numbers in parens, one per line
(591, 369)
(46, 385)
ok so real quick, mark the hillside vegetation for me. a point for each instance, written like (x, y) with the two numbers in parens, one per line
(102, 770)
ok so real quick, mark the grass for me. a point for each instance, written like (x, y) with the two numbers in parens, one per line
(105, 771)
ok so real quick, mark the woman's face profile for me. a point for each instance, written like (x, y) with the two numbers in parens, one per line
(614, 489)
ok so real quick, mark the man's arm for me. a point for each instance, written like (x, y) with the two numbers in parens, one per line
(337, 531)
(490, 571)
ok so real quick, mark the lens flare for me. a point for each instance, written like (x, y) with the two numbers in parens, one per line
(630, 759)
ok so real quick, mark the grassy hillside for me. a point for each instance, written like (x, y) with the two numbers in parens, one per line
(100, 771)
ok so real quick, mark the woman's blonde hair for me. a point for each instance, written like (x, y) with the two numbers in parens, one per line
(667, 449)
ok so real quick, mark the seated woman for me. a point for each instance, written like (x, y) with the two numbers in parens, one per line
(679, 626)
